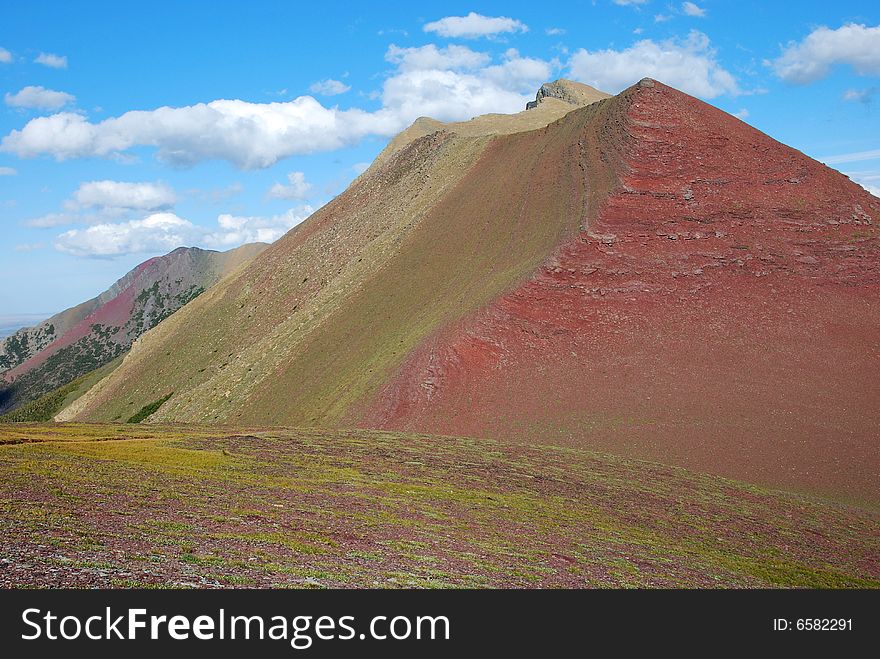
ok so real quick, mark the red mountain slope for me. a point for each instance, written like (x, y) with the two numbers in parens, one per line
(721, 312)
(36, 360)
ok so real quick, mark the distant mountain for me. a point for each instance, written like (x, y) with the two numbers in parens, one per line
(39, 359)
(10, 324)
(644, 274)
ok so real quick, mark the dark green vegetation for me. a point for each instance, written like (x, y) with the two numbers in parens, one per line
(47, 406)
(152, 306)
(18, 346)
(91, 352)
(98, 348)
(36, 361)
(148, 410)
(117, 505)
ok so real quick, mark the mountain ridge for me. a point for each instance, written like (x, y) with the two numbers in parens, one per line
(62, 348)
(447, 290)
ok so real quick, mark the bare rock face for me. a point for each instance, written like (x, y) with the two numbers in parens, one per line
(574, 93)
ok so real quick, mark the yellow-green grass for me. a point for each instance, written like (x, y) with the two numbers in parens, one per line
(309, 332)
(113, 505)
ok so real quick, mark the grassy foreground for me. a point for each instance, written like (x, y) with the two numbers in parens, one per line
(128, 506)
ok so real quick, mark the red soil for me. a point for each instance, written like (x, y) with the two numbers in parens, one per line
(114, 313)
(721, 313)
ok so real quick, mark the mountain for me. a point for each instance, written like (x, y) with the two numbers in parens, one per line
(644, 274)
(39, 359)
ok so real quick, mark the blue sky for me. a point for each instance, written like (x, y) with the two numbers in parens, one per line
(129, 128)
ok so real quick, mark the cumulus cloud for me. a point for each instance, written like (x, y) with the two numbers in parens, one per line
(329, 87)
(159, 232)
(162, 232)
(690, 9)
(5, 56)
(52, 61)
(813, 57)
(624, 3)
(38, 97)
(450, 84)
(297, 187)
(8, 171)
(103, 201)
(123, 195)
(431, 57)
(250, 135)
(474, 26)
(456, 83)
(554, 31)
(743, 113)
(522, 74)
(689, 64)
(234, 230)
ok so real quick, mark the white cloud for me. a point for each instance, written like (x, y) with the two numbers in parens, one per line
(690, 9)
(329, 87)
(860, 95)
(450, 84)
(162, 232)
(456, 83)
(811, 59)
(689, 65)
(857, 156)
(122, 195)
(38, 97)
(523, 74)
(743, 113)
(52, 61)
(360, 167)
(8, 171)
(236, 230)
(250, 135)
(103, 201)
(431, 57)
(662, 18)
(5, 56)
(554, 31)
(474, 26)
(297, 187)
(870, 180)
(624, 3)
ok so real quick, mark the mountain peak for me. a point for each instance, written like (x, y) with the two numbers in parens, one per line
(553, 101)
(569, 91)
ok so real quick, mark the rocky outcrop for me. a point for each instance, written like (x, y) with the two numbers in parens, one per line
(568, 91)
